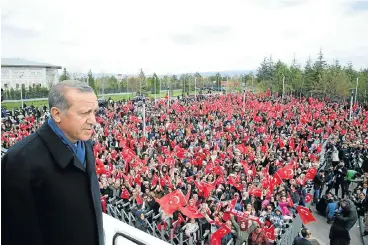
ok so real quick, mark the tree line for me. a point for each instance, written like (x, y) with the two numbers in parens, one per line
(317, 78)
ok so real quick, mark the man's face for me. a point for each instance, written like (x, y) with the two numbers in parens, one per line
(78, 120)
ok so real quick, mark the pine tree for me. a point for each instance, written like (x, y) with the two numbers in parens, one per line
(64, 76)
(91, 81)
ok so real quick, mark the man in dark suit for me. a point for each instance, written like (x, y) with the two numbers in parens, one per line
(306, 234)
(50, 192)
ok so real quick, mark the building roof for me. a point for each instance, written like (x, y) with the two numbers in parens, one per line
(14, 62)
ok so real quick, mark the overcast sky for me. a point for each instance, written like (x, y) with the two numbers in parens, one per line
(118, 36)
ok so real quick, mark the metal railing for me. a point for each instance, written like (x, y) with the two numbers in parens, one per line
(163, 230)
(127, 237)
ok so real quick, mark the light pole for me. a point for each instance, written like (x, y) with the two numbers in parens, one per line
(144, 118)
(195, 88)
(252, 85)
(155, 87)
(283, 86)
(244, 100)
(227, 84)
(356, 90)
(351, 104)
(21, 91)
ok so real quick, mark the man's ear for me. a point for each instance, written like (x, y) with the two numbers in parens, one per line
(55, 114)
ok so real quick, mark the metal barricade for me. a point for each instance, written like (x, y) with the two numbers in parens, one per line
(126, 213)
(292, 228)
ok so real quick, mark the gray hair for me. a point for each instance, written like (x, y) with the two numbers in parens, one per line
(57, 93)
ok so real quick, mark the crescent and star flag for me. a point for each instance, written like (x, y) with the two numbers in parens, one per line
(256, 192)
(270, 232)
(219, 234)
(311, 173)
(286, 172)
(308, 198)
(191, 212)
(204, 187)
(172, 201)
(305, 215)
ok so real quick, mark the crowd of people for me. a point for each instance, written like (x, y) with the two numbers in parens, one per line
(235, 165)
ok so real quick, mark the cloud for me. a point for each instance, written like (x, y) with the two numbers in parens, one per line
(166, 36)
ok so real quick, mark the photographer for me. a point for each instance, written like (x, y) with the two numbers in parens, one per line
(340, 173)
(348, 214)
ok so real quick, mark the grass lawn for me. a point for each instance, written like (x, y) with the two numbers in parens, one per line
(36, 103)
(41, 103)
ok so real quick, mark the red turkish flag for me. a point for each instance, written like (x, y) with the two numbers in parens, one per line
(204, 187)
(245, 166)
(256, 192)
(125, 194)
(308, 198)
(139, 199)
(305, 215)
(242, 149)
(154, 180)
(219, 180)
(172, 201)
(219, 234)
(170, 161)
(276, 180)
(286, 172)
(290, 201)
(311, 173)
(162, 226)
(191, 212)
(103, 204)
(234, 183)
(270, 232)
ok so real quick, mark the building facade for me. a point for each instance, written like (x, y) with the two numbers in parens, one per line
(16, 72)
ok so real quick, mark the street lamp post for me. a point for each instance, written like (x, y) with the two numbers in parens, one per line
(227, 84)
(155, 87)
(21, 91)
(195, 88)
(127, 86)
(283, 87)
(356, 90)
(351, 104)
(144, 118)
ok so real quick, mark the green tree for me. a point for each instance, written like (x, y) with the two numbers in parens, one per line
(308, 77)
(64, 76)
(281, 71)
(351, 72)
(319, 67)
(152, 81)
(91, 81)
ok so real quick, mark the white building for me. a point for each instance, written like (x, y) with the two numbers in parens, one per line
(15, 72)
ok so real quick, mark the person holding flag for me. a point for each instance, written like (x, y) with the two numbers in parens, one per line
(243, 230)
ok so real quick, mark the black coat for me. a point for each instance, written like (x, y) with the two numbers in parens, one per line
(339, 235)
(48, 197)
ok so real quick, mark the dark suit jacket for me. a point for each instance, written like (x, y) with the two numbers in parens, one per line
(48, 197)
(301, 241)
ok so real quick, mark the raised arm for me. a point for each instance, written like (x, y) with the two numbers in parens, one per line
(235, 224)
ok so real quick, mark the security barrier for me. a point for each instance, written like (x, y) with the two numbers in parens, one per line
(163, 230)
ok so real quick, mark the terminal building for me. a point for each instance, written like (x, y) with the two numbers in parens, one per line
(15, 72)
